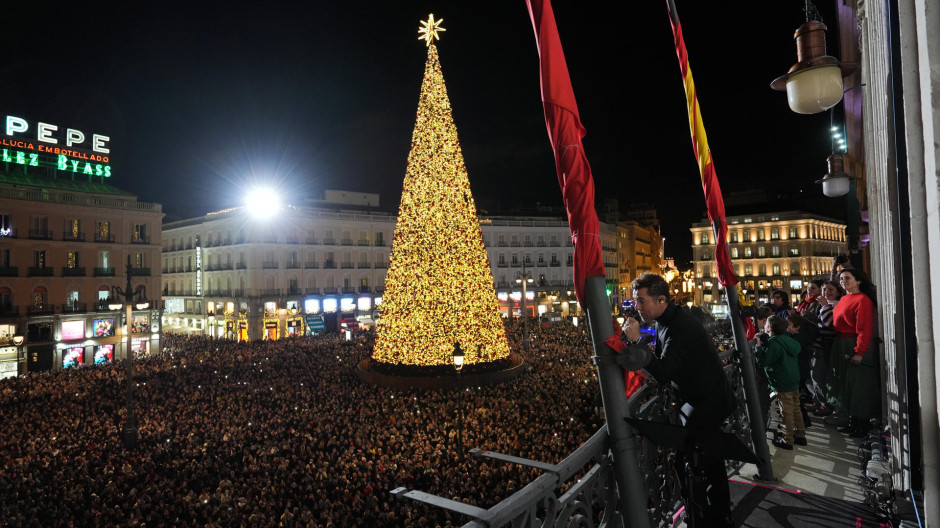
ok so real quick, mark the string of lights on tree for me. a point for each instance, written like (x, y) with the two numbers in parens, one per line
(439, 287)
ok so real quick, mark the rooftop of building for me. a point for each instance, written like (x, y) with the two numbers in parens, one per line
(20, 180)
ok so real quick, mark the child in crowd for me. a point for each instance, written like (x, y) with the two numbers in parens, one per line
(796, 328)
(780, 357)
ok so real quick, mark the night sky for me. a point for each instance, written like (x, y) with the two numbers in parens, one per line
(201, 102)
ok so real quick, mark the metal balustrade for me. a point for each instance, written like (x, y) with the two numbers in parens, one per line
(581, 490)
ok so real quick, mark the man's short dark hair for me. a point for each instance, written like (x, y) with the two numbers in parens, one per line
(778, 325)
(654, 284)
(783, 295)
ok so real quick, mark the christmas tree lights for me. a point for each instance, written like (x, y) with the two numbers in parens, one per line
(439, 288)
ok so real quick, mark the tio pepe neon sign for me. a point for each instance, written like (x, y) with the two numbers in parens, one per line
(92, 164)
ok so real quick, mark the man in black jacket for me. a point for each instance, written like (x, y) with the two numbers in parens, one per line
(687, 358)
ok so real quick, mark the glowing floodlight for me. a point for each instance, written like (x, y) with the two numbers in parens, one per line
(262, 202)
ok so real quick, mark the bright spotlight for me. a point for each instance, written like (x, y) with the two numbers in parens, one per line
(262, 202)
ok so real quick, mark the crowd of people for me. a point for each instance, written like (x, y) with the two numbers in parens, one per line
(280, 433)
(834, 366)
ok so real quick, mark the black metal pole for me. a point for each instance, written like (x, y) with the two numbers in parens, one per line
(765, 470)
(129, 435)
(459, 414)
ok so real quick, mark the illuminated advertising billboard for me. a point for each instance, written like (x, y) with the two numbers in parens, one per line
(104, 354)
(103, 327)
(73, 357)
(68, 151)
(73, 330)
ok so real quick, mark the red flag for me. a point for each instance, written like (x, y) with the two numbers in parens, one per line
(565, 132)
(713, 199)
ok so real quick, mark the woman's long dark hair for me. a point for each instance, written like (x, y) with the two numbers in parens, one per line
(864, 283)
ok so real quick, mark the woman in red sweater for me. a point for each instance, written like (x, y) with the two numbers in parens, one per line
(854, 322)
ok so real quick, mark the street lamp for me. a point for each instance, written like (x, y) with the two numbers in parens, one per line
(129, 434)
(458, 365)
(18, 342)
(211, 324)
(524, 278)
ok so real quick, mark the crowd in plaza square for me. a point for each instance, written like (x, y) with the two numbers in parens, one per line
(279, 433)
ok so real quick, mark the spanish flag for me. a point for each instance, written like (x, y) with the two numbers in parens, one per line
(706, 166)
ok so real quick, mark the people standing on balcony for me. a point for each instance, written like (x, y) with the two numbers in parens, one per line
(780, 360)
(687, 358)
(854, 322)
(825, 380)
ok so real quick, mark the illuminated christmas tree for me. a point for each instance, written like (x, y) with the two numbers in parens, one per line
(439, 289)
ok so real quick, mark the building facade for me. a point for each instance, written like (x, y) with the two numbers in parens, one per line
(64, 246)
(231, 275)
(769, 251)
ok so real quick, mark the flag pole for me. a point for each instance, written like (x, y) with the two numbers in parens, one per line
(765, 471)
(725, 272)
(624, 440)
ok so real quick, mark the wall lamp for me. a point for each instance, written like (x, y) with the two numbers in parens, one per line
(814, 83)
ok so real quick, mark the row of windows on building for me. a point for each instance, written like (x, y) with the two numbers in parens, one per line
(72, 260)
(226, 261)
(73, 230)
(274, 236)
(759, 235)
(527, 260)
(525, 241)
(814, 267)
(39, 301)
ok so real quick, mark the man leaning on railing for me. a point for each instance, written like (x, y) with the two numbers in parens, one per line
(687, 358)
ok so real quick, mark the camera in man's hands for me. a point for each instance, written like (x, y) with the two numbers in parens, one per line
(629, 309)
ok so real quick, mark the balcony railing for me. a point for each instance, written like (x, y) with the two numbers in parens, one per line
(9, 310)
(8, 232)
(311, 241)
(73, 237)
(35, 271)
(241, 265)
(381, 265)
(73, 272)
(270, 292)
(140, 239)
(347, 265)
(73, 308)
(40, 234)
(40, 310)
(104, 272)
(329, 241)
(363, 242)
(330, 290)
(294, 291)
(349, 289)
(329, 265)
(104, 238)
(292, 265)
(140, 272)
(311, 265)
(312, 291)
(502, 264)
(9, 271)
(347, 242)
(364, 265)
(269, 265)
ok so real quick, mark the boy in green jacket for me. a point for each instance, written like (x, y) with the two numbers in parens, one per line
(780, 359)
